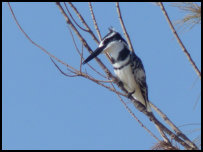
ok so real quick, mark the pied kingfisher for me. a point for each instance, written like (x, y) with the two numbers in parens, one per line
(127, 66)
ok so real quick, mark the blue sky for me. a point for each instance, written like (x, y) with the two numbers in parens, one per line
(43, 109)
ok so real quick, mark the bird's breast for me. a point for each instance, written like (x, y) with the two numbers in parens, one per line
(126, 76)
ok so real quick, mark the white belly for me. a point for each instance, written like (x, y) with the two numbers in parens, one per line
(127, 77)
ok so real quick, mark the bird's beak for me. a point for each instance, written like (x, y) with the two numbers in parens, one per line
(94, 54)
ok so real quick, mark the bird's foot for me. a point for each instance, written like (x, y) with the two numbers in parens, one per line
(120, 83)
(130, 94)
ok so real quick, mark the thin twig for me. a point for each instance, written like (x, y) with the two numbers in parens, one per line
(74, 19)
(94, 20)
(62, 71)
(81, 59)
(34, 43)
(85, 75)
(84, 22)
(97, 29)
(81, 54)
(123, 27)
(163, 135)
(106, 70)
(179, 40)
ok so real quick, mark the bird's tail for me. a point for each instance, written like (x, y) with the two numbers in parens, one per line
(148, 106)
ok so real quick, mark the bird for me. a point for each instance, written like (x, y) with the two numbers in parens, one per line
(127, 66)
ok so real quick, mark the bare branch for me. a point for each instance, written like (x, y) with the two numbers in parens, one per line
(97, 29)
(83, 21)
(94, 20)
(34, 43)
(74, 19)
(109, 74)
(62, 71)
(123, 26)
(85, 75)
(166, 140)
(179, 41)
(83, 58)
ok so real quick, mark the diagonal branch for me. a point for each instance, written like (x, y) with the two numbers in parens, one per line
(97, 29)
(94, 20)
(34, 43)
(74, 19)
(83, 21)
(62, 71)
(99, 82)
(106, 70)
(81, 55)
(179, 40)
(123, 26)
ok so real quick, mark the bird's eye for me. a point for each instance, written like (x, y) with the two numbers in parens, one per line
(106, 41)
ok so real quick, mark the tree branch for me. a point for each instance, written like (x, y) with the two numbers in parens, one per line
(179, 40)
(94, 20)
(123, 26)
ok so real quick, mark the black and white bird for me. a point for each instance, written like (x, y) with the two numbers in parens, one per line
(127, 66)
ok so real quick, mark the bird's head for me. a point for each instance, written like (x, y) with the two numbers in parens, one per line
(112, 41)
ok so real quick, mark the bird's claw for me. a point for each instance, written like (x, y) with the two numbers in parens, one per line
(130, 93)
